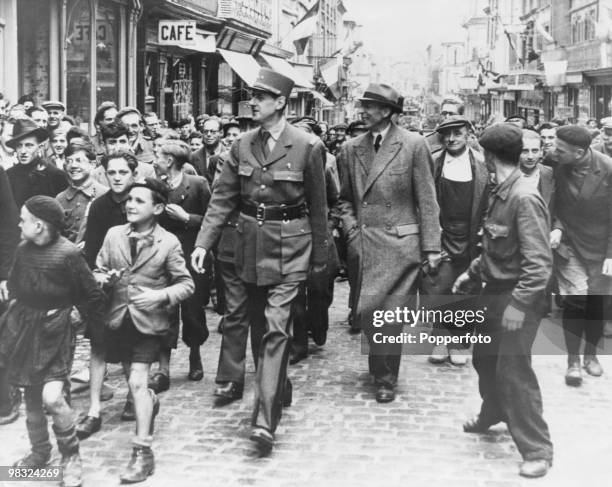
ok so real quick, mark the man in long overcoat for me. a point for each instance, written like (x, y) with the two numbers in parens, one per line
(391, 218)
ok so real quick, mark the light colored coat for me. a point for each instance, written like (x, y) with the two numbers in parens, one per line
(390, 214)
(159, 265)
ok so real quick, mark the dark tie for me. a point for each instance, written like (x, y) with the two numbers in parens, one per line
(265, 136)
(377, 142)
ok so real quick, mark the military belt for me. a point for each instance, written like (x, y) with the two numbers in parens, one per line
(262, 212)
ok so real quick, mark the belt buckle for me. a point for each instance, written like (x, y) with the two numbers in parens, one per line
(260, 214)
(284, 215)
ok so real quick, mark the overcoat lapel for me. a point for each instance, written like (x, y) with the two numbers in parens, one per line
(391, 145)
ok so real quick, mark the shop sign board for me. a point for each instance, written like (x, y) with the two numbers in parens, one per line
(177, 32)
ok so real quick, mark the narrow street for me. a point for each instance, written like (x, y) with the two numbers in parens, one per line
(335, 434)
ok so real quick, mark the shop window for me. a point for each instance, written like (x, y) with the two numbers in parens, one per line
(33, 49)
(226, 89)
(80, 39)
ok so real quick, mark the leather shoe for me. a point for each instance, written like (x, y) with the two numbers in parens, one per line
(478, 425)
(88, 426)
(159, 382)
(296, 357)
(573, 376)
(263, 438)
(72, 470)
(230, 391)
(385, 394)
(438, 355)
(140, 466)
(288, 394)
(534, 468)
(33, 460)
(128, 414)
(458, 356)
(195, 372)
(592, 366)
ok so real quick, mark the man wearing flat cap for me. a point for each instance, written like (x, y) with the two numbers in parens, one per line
(582, 239)
(462, 183)
(449, 107)
(33, 174)
(515, 264)
(275, 177)
(391, 221)
(142, 148)
(56, 111)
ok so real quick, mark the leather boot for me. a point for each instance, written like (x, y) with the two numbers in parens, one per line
(68, 445)
(41, 447)
(140, 466)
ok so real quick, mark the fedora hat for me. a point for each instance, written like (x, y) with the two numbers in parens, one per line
(26, 127)
(385, 95)
(273, 82)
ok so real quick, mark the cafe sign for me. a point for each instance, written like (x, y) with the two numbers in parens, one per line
(177, 33)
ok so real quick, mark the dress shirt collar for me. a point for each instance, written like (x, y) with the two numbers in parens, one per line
(276, 130)
(383, 133)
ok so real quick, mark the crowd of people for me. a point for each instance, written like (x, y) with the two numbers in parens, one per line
(141, 226)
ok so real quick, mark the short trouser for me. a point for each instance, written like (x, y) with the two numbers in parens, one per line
(127, 344)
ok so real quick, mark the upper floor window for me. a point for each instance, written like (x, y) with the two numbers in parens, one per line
(582, 22)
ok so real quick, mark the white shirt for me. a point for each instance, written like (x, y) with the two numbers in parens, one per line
(533, 178)
(382, 133)
(457, 168)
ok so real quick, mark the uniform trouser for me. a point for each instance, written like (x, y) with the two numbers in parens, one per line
(219, 287)
(5, 392)
(312, 311)
(272, 328)
(236, 321)
(436, 293)
(508, 385)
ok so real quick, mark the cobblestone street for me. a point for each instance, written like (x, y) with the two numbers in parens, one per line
(335, 434)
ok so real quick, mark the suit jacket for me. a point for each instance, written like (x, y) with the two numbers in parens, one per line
(586, 219)
(389, 212)
(193, 195)
(158, 265)
(272, 252)
(480, 194)
(546, 185)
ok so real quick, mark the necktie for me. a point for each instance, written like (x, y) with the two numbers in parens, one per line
(265, 137)
(377, 142)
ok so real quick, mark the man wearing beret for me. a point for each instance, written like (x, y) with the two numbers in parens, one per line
(391, 220)
(275, 177)
(462, 184)
(515, 264)
(582, 239)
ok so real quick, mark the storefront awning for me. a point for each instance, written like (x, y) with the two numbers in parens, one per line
(202, 43)
(283, 67)
(243, 65)
(325, 103)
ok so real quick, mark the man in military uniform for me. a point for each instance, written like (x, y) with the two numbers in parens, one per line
(275, 176)
(391, 220)
(515, 264)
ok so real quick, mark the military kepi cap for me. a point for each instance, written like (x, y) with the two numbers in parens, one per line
(273, 82)
(454, 121)
(503, 138)
(385, 95)
(53, 104)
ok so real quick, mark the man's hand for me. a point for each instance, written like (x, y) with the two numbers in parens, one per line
(102, 278)
(177, 212)
(606, 269)
(4, 294)
(513, 318)
(461, 282)
(555, 238)
(197, 259)
(149, 298)
(433, 260)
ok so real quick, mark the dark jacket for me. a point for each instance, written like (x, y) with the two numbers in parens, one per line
(104, 213)
(546, 186)
(516, 242)
(586, 220)
(274, 251)
(480, 194)
(9, 231)
(193, 195)
(27, 180)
